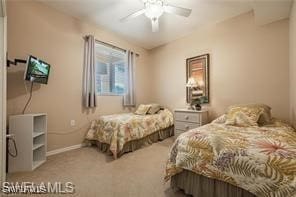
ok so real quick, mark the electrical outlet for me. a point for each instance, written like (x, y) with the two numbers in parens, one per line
(72, 123)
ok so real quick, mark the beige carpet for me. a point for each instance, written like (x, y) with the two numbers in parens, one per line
(136, 174)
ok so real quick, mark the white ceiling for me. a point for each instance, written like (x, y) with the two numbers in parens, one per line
(107, 13)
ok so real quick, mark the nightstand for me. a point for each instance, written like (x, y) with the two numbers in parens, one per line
(186, 120)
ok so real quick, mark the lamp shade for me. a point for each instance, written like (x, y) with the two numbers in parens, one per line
(191, 83)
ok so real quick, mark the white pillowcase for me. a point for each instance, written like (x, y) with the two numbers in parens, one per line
(143, 109)
(220, 120)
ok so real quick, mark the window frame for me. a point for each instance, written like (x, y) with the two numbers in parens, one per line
(105, 93)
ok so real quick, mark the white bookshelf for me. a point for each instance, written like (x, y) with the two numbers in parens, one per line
(30, 132)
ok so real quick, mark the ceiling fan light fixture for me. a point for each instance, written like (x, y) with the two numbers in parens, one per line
(154, 9)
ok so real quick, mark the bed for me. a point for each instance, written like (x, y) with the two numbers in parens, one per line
(121, 133)
(230, 161)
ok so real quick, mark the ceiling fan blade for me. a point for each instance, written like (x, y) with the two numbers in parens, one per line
(177, 10)
(133, 15)
(155, 25)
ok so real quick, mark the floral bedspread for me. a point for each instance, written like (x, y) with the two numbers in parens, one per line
(118, 129)
(261, 160)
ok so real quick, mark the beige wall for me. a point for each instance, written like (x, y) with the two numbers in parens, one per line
(46, 33)
(293, 64)
(248, 64)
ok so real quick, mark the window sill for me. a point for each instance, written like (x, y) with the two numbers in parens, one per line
(110, 95)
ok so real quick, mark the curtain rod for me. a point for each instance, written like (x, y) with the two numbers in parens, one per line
(113, 46)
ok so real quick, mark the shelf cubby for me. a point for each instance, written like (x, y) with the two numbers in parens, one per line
(30, 131)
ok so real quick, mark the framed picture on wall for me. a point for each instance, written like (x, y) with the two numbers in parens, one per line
(197, 69)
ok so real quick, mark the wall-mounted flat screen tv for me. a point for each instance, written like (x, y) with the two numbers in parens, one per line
(37, 71)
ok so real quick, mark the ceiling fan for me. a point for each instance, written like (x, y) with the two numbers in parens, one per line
(153, 9)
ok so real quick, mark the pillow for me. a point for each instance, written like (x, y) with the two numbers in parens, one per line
(265, 117)
(143, 109)
(154, 108)
(243, 115)
(220, 120)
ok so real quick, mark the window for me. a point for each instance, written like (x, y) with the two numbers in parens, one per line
(110, 70)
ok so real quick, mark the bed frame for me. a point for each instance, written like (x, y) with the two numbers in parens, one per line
(139, 143)
(201, 186)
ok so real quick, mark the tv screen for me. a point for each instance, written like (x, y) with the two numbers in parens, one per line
(37, 70)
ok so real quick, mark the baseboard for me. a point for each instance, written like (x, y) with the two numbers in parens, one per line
(61, 150)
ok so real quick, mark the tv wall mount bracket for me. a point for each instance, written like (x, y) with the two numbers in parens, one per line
(15, 62)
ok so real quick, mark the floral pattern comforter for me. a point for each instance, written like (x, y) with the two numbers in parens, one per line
(261, 160)
(119, 129)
